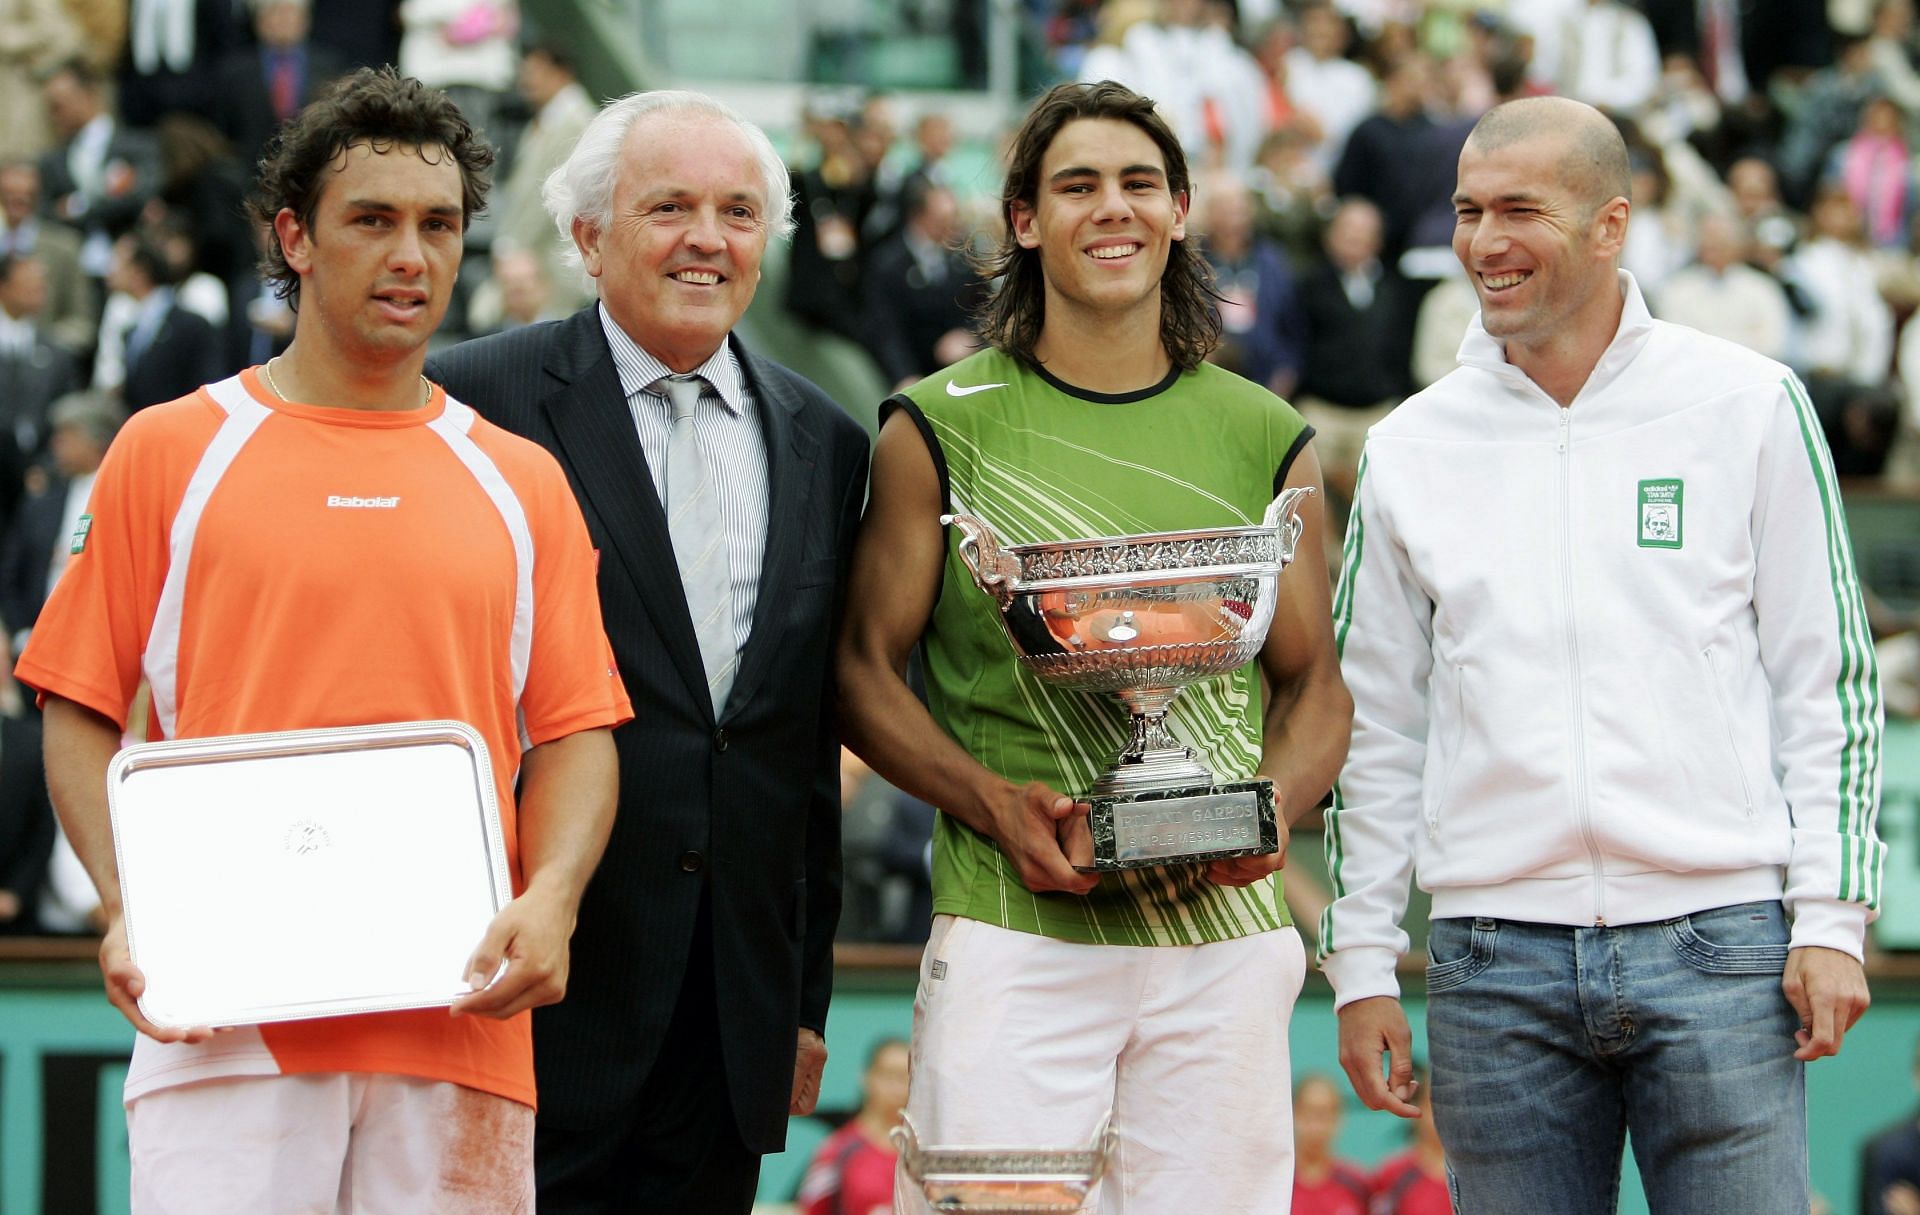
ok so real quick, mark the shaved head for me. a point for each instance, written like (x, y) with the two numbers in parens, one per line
(1593, 156)
(1540, 217)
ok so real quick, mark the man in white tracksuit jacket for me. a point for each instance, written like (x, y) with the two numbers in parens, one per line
(1615, 703)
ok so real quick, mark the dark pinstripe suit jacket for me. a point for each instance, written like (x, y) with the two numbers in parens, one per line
(749, 803)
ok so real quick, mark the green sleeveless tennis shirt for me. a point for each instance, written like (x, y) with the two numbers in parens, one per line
(1040, 460)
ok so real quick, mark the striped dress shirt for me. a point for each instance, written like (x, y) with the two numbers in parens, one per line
(729, 435)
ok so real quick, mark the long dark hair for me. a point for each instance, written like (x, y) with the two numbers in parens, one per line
(373, 106)
(1012, 318)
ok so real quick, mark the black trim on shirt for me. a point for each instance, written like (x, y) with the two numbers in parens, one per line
(1286, 462)
(1108, 398)
(901, 402)
(898, 401)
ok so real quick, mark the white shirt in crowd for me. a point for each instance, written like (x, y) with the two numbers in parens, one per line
(1740, 304)
(1190, 71)
(1610, 58)
(1851, 330)
(1337, 92)
(1548, 23)
(16, 336)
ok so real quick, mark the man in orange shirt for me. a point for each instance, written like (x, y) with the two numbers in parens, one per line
(329, 540)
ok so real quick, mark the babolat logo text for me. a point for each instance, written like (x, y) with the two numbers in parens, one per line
(354, 503)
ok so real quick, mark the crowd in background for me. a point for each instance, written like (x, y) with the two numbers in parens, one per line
(1775, 200)
(1774, 182)
(1777, 204)
(128, 272)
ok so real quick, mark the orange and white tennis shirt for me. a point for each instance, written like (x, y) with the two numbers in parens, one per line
(275, 566)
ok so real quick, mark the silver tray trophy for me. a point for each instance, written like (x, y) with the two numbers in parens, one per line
(306, 873)
(1140, 617)
(1003, 1181)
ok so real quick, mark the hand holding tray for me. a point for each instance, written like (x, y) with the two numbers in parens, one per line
(311, 873)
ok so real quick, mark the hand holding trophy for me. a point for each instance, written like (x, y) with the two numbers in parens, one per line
(1140, 617)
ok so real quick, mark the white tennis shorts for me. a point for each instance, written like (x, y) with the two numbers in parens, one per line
(1024, 1041)
(331, 1143)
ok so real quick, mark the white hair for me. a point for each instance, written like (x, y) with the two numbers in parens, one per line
(582, 188)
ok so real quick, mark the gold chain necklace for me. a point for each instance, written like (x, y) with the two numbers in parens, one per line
(266, 373)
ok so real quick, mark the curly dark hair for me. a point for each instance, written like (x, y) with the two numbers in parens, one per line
(1012, 318)
(374, 106)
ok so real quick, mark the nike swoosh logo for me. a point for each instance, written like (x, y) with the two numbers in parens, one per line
(954, 390)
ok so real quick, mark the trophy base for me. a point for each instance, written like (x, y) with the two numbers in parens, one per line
(1182, 826)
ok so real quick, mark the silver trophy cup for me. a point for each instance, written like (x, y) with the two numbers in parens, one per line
(1003, 1181)
(1140, 617)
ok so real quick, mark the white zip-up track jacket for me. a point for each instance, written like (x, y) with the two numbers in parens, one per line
(1609, 662)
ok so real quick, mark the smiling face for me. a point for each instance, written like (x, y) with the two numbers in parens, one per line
(377, 264)
(1540, 254)
(1103, 220)
(679, 260)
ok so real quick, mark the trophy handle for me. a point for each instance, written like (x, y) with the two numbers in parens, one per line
(1283, 515)
(906, 1139)
(992, 569)
(1105, 1139)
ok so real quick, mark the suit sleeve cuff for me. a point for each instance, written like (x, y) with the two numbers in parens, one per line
(1830, 924)
(1361, 973)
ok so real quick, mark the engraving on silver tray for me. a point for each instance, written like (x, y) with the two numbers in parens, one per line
(1139, 618)
(1102, 558)
(1142, 667)
(305, 837)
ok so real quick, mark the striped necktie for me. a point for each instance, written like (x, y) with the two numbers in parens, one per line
(699, 537)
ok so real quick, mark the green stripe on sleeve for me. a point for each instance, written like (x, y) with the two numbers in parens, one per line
(1351, 553)
(1858, 686)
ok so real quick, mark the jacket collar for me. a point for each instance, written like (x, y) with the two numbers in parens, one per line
(640, 369)
(1482, 350)
(603, 439)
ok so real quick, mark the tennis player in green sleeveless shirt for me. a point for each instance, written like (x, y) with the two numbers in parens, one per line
(1048, 997)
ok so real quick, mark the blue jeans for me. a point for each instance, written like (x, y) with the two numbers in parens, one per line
(1550, 1044)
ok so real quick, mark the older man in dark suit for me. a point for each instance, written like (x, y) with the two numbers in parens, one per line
(722, 492)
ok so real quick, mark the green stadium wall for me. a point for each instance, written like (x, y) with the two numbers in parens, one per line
(63, 1057)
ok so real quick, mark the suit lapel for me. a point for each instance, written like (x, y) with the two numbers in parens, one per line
(791, 450)
(592, 425)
